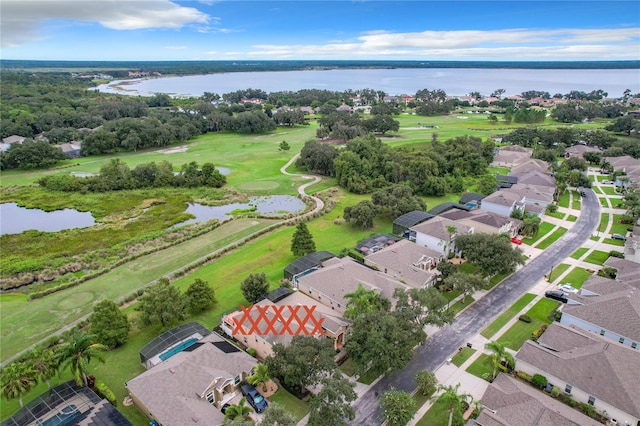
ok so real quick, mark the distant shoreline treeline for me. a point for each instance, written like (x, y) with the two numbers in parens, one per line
(205, 67)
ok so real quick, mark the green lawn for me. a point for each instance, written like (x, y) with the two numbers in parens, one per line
(613, 242)
(459, 358)
(576, 277)
(597, 257)
(482, 367)
(571, 218)
(557, 215)
(557, 271)
(563, 201)
(597, 190)
(519, 332)
(604, 222)
(551, 238)
(293, 405)
(450, 295)
(617, 227)
(26, 322)
(609, 190)
(437, 415)
(579, 253)
(504, 318)
(348, 368)
(545, 227)
(368, 377)
(576, 201)
(604, 201)
(460, 305)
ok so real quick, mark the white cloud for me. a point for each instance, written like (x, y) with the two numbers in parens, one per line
(508, 44)
(20, 19)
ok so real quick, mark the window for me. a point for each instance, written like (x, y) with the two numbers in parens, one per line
(210, 397)
(568, 388)
(339, 305)
(634, 345)
(602, 332)
(592, 400)
(236, 380)
(621, 340)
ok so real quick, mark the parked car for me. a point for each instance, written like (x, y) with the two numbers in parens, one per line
(224, 408)
(618, 237)
(567, 288)
(583, 194)
(516, 241)
(254, 398)
(607, 182)
(556, 295)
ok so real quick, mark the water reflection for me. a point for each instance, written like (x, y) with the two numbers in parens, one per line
(15, 219)
(274, 205)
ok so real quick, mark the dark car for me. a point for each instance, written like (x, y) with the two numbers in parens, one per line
(254, 398)
(224, 408)
(556, 295)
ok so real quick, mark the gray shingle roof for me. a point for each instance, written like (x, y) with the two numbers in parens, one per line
(588, 362)
(405, 257)
(437, 227)
(511, 402)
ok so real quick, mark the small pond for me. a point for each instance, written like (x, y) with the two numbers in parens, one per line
(273, 205)
(15, 219)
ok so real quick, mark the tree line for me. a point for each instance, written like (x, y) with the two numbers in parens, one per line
(115, 175)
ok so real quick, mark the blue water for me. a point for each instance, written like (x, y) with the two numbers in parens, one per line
(60, 419)
(15, 219)
(184, 345)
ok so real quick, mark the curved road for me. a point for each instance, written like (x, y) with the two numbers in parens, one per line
(301, 189)
(447, 340)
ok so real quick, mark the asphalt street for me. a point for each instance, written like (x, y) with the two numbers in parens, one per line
(442, 344)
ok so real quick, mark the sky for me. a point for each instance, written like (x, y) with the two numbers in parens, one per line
(147, 30)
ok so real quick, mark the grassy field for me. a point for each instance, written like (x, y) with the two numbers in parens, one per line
(617, 227)
(609, 190)
(459, 358)
(557, 271)
(576, 277)
(544, 229)
(564, 199)
(460, 305)
(597, 257)
(437, 415)
(518, 333)
(604, 222)
(579, 253)
(552, 238)
(25, 322)
(504, 318)
(481, 367)
(298, 408)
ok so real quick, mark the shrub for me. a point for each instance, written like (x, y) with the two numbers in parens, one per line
(552, 208)
(614, 253)
(523, 376)
(555, 392)
(588, 409)
(539, 381)
(104, 391)
(251, 352)
(525, 318)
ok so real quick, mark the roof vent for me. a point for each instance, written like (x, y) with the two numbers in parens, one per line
(172, 370)
(195, 419)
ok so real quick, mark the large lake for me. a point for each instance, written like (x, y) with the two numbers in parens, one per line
(454, 81)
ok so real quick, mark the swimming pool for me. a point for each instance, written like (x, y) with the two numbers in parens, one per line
(177, 349)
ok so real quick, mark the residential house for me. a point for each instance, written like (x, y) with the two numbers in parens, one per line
(626, 271)
(333, 325)
(529, 165)
(344, 108)
(304, 264)
(190, 387)
(508, 401)
(72, 149)
(632, 246)
(376, 243)
(533, 194)
(579, 150)
(511, 156)
(439, 234)
(607, 307)
(403, 223)
(592, 369)
(502, 203)
(10, 140)
(634, 114)
(409, 262)
(254, 101)
(472, 199)
(629, 166)
(485, 221)
(337, 277)
(537, 178)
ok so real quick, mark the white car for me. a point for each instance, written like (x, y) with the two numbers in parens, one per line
(567, 288)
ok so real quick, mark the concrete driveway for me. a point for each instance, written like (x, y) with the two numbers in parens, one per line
(442, 344)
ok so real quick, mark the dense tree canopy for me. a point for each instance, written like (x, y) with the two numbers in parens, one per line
(490, 253)
(254, 287)
(162, 304)
(109, 324)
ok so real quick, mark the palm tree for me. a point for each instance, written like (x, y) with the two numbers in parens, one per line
(44, 363)
(260, 376)
(77, 353)
(500, 353)
(17, 379)
(239, 410)
(455, 401)
(363, 301)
